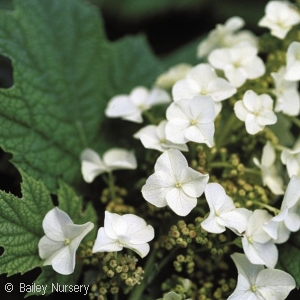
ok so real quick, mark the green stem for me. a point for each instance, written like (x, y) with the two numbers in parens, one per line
(151, 271)
(295, 120)
(111, 185)
(150, 117)
(263, 205)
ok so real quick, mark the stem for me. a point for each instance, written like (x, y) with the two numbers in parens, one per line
(152, 271)
(270, 208)
(150, 117)
(111, 185)
(295, 120)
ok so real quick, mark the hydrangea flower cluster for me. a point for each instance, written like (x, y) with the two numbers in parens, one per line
(231, 101)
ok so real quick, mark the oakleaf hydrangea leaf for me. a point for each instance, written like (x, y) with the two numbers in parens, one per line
(65, 71)
(21, 226)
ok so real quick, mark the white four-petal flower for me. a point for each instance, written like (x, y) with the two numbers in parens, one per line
(113, 159)
(127, 231)
(203, 80)
(223, 212)
(191, 120)
(239, 63)
(62, 238)
(130, 107)
(280, 17)
(154, 137)
(256, 111)
(257, 283)
(269, 172)
(174, 183)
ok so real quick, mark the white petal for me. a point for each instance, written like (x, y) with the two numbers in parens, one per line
(64, 261)
(269, 156)
(252, 126)
(119, 159)
(103, 243)
(156, 188)
(240, 110)
(275, 282)
(119, 106)
(158, 96)
(54, 224)
(141, 249)
(211, 224)
(91, 165)
(112, 225)
(193, 182)
(179, 202)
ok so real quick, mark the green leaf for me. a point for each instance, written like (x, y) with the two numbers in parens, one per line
(21, 226)
(64, 72)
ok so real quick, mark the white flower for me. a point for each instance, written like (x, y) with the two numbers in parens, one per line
(61, 240)
(203, 80)
(175, 73)
(257, 283)
(291, 158)
(268, 168)
(288, 97)
(127, 231)
(239, 63)
(280, 17)
(223, 212)
(191, 120)
(256, 111)
(293, 62)
(288, 219)
(257, 244)
(113, 159)
(131, 107)
(174, 183)
(226, 36)
(154, 137)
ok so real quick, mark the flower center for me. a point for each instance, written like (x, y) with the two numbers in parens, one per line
(253, 288)
(178, 185)
(162, 141)
(217, 213)
(237, 64)
(193, 122)
(250, 240)
(123, 240)
(67, 241)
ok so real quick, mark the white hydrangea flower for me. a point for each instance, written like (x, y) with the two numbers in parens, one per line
(280, 17)
(130, 107)
(175, 73)
(291, 158)
(256, 111)
(223, 212)
(257, 283)
(288, 97)
(154, 137)
(127, 231)
(269, 172)
(191, 120)
(293, 62)
(174, 183)
(288, 219)
(62, 238)
(257, 244)
(226, 35)
(203, 80)
(239, 63)
(113, 159)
